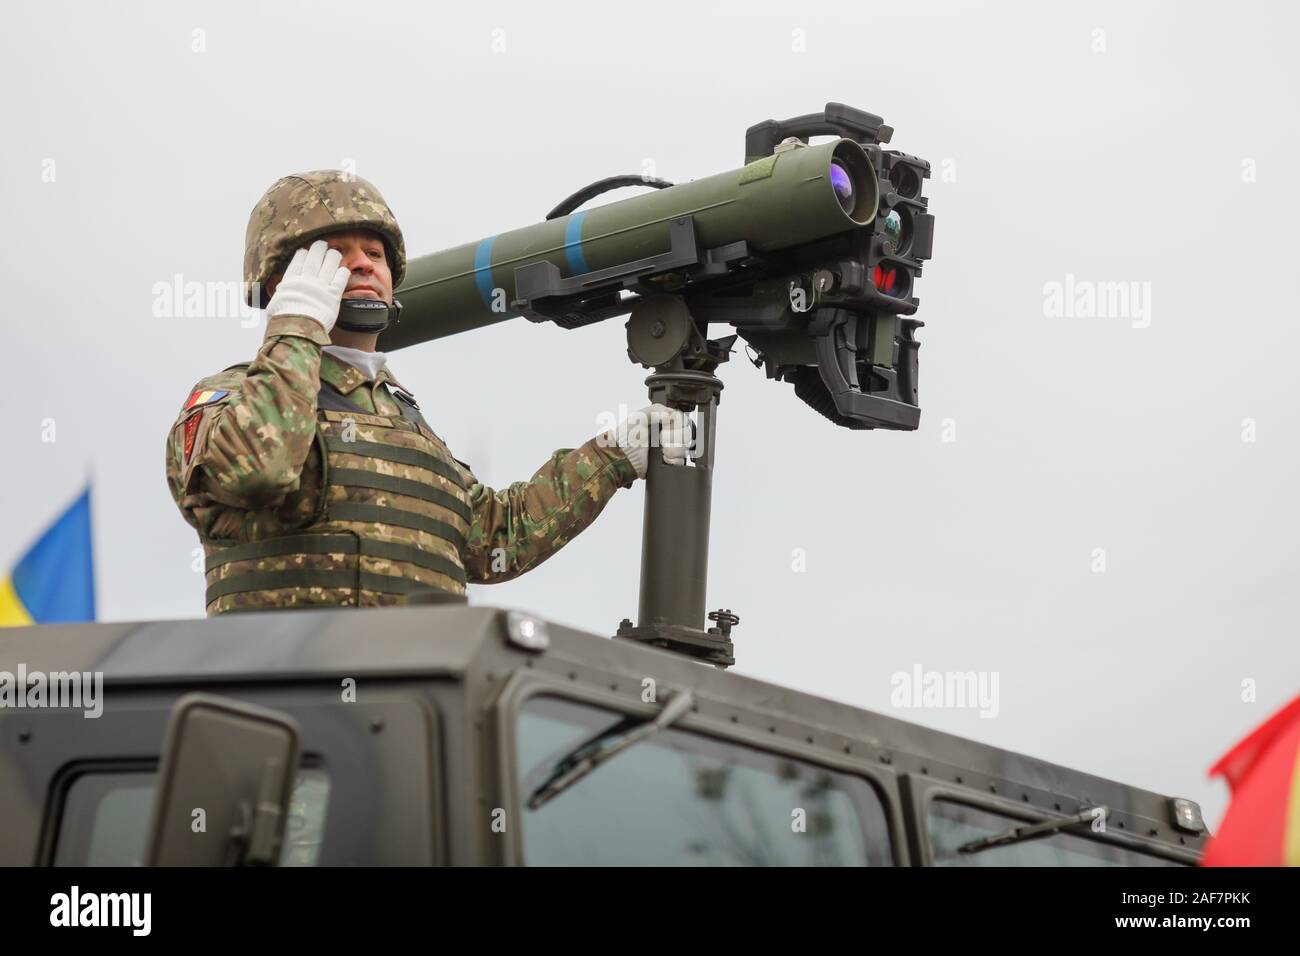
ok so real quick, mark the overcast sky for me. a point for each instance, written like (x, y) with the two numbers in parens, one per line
(1100, 509)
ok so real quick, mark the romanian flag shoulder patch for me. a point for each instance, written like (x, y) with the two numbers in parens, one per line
(204, 396)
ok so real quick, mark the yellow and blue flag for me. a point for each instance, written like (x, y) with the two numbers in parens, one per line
(55, 580)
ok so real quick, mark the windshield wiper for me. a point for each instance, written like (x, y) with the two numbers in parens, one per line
(588, 756)
(1032, 831)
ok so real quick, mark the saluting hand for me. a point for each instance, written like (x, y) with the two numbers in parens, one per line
(313, 285)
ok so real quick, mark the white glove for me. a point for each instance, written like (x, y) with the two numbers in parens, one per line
(313, 285)
(658, 425)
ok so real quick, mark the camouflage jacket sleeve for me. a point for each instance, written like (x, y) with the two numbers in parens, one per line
(519, 527)
(244, 445)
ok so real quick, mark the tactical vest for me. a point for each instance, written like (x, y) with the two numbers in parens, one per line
(390, 518)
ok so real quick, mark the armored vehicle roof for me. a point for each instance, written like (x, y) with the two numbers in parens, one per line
(474, 645)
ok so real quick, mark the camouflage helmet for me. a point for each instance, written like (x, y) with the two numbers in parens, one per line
(301, 208)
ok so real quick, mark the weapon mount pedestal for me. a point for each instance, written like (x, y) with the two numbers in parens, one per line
(675, 535)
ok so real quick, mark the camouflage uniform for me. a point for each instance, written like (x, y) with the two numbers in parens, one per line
(309, 485)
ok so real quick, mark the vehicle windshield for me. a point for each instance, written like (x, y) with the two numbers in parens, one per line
(952, 825)
(682, 798)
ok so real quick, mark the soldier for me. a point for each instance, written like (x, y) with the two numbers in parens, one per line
(310, 474)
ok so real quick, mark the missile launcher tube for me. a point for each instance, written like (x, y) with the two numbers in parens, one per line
(780, 201)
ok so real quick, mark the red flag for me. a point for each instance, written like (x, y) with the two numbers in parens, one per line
(1262, 825)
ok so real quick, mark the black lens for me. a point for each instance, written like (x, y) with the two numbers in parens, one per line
(905, 181)
(843, 186)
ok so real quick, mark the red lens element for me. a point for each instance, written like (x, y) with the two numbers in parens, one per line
(878, 277)
(889, 280)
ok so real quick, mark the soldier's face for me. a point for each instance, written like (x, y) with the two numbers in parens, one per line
(365, 256)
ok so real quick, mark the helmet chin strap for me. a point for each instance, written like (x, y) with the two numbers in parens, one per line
(367, 315)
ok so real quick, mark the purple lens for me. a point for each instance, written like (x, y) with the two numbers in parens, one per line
(843, 187)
